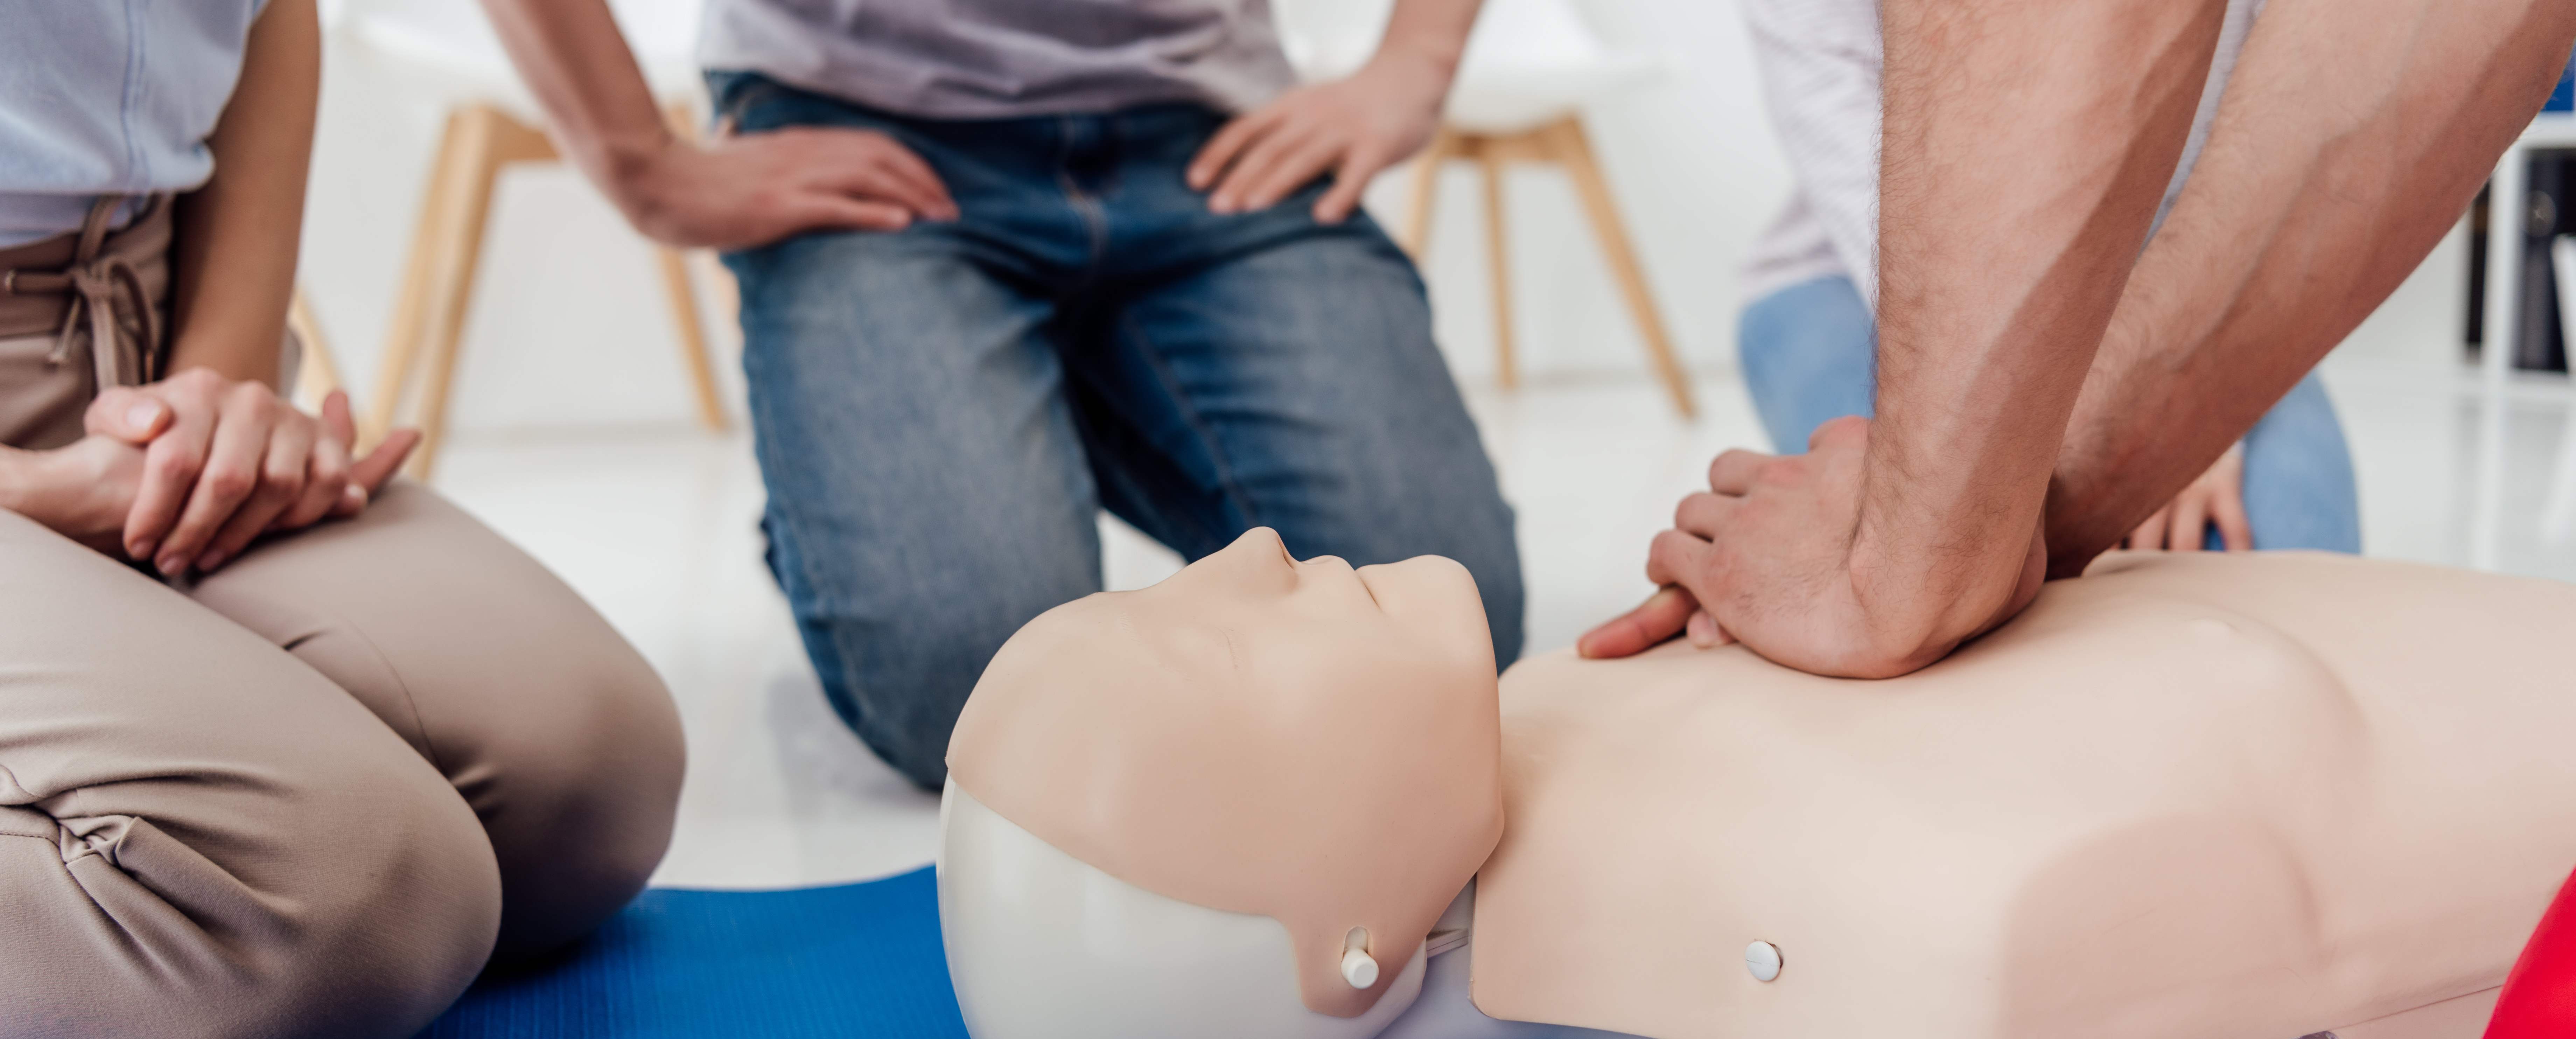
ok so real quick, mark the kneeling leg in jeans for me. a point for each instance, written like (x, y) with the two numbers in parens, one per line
(938, 441)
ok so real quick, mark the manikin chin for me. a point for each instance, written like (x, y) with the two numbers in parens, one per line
(1042, 946)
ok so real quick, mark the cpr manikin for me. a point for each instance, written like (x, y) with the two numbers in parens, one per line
(1232, 804)
(2251, 796)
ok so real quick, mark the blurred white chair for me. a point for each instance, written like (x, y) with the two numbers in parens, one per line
(449, 49)
(1530, 67)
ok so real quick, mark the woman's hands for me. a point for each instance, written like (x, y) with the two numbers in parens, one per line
(225, 461)
(82, 491)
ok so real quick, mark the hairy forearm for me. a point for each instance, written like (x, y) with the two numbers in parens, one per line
(2026, 145)
(599, 107)
(233, 259)
(2338, 159)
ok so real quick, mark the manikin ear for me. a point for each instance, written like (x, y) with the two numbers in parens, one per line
(1436, 597)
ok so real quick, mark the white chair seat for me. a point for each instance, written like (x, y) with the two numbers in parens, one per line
(1529, 62)
(1501, 99)
(450, 48)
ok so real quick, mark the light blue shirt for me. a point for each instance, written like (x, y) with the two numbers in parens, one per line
(109, 97)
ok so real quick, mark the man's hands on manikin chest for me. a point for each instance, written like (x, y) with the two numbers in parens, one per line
(1776, 553)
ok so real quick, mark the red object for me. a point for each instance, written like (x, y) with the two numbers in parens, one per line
(2539, 997)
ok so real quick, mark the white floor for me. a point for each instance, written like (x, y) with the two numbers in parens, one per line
(656, 526)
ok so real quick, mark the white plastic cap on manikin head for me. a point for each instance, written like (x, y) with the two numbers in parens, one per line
(1043, 946)
(1230, 804)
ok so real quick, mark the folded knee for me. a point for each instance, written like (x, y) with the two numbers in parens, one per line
(579, 797)
(349, 898)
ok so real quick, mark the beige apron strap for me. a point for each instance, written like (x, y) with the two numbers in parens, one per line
(110, 293)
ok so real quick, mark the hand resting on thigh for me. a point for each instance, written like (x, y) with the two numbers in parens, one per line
(197, 466)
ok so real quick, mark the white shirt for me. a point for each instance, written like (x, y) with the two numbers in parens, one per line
(1820, 62)
(104, 98)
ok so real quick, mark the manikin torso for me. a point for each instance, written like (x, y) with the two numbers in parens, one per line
(2255, 796)
(2185, 795)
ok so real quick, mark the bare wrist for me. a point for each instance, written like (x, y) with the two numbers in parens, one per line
(31, 484)
(19, 479)
(628, 167)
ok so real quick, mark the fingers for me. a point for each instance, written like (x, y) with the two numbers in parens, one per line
(326, 482)
(877, 168)
(1735, 471)
(337, 422)
(1703, 515)
(1703, 631)
(1676, 557)
(232, 472)
(282, 477)
(1660, 617)
(170, 467)
(1220, 151)
(1277, 174)
(925, 191)
(1348, 183)
(1850, 431)
(127, 414)
(2190, 523)
(1257, 167)
(2235, 530)
(843, 211)
(369, 474)
(2150, 535)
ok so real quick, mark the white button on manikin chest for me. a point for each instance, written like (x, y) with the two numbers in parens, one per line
(1763, 959)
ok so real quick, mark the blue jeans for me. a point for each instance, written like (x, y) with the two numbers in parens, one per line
(1810, 353)
(942, 412)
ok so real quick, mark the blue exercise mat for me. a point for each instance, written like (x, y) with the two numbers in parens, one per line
(860, 961)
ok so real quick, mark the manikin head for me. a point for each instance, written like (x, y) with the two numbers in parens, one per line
(1230, 804)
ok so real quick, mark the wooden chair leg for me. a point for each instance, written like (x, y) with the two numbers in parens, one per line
(1498, 254)
(484, 140)
(681, 287)
(682, 291)
(420, 276)
(318, 374)
(1445, 145)
(1567, 141)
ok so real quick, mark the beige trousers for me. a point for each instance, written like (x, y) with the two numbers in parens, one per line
(308, 795)
(312, 793)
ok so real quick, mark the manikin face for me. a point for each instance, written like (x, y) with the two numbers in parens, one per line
(1229, 804)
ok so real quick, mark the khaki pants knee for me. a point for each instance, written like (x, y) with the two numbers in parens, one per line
(200, 835)
(548, 722)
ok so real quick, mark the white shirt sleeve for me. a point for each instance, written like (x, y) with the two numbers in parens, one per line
(1820, 62)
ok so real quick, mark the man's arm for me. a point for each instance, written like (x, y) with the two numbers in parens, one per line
(1351, 127)
(734, 193)
(2026, 146)
(2339, 158)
